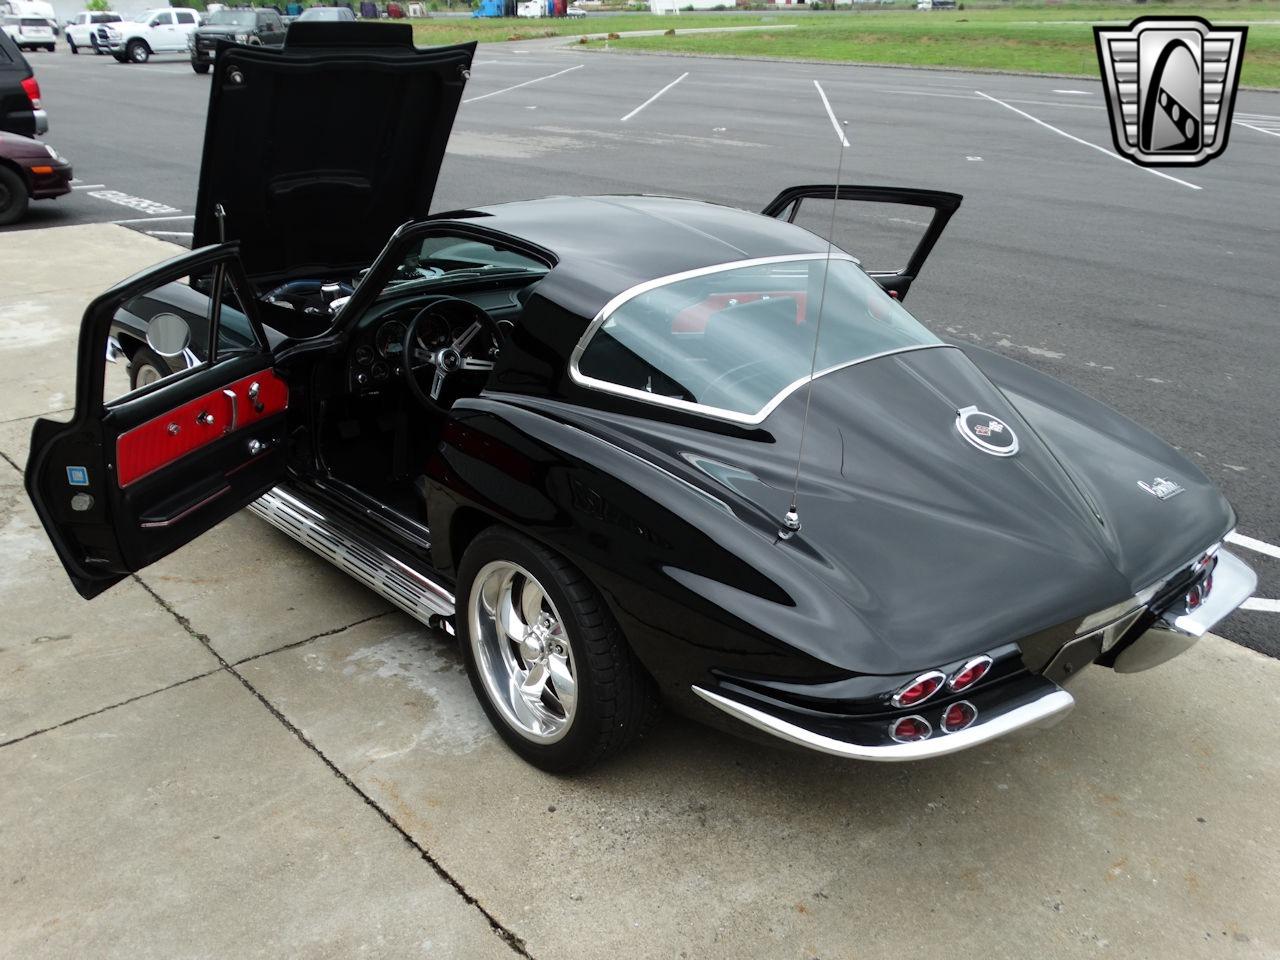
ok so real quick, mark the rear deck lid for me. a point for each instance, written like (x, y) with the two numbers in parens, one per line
(318, 150)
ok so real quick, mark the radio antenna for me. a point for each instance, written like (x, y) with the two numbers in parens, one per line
(791, 522)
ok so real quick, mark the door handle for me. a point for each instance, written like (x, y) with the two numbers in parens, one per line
(231, 395)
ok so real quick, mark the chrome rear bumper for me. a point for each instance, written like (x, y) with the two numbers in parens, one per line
(1175, 632)
(1043, 707)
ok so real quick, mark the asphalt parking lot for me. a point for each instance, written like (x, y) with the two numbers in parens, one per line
(240, 752)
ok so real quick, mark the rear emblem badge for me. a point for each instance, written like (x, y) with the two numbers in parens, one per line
(988, 433)
(1160, 488)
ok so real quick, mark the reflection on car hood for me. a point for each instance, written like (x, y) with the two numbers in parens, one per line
(918, 548)
(318, 150)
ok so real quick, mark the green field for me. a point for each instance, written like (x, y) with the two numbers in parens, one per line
(1030, 39)
(451, 30)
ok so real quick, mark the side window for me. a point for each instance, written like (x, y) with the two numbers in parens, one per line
(167, 331)
(184, 17)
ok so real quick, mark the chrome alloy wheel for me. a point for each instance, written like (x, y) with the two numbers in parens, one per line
(523, 654)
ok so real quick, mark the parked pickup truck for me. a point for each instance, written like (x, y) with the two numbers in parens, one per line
(163, 30)
(262, 26)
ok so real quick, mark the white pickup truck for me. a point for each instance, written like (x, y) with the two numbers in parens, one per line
(163, 30)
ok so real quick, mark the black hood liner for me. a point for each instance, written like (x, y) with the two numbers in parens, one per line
(317, 151)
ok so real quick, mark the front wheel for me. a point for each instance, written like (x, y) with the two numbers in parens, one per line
(51, 47)
(545, 656)
(13, 197)
(121, 58)
(200, 67)
(137, 51)
(72, 44)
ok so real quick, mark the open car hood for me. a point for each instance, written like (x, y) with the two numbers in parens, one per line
(318, 150)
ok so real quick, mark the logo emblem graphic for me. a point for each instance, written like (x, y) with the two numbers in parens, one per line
(1171, 86)
(1160, 488)
(989, 434)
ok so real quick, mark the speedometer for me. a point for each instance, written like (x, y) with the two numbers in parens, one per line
(390, 339)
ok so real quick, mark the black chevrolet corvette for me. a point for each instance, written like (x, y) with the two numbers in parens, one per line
(632, 450)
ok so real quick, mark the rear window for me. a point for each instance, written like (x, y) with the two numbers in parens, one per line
(732, 340)
(34, 22)
(106, 18)
(186, 17)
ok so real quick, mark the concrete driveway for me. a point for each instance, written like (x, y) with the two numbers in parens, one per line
(242, 753)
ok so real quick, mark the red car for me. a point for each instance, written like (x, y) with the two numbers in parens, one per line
(29, 170)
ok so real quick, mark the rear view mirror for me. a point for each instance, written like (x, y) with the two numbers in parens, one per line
(168, 334)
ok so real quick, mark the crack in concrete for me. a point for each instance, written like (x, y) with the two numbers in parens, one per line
(94, 713)
(9, 461)
(513, 941)
(298, 643)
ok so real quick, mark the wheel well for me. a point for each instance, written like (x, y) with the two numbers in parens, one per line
(142, 40)
(466, 524)
(130, 345)
(10, 165)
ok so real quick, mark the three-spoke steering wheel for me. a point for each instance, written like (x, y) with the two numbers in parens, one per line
(449, 350)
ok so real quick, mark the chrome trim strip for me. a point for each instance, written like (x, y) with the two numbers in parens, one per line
(413, 592)
(170, 521)
(1049, 708)
(718, 413)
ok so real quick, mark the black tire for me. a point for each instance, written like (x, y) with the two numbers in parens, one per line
(616, 700)
(137, 51)
(13, 197)
(52, 48)
(200, 67)
(120, 58)
(72, 44)
(142, 362)
(97, 49)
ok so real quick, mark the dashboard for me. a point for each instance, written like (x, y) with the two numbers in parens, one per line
(376, 360)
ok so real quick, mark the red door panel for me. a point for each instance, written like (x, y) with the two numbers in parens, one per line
(167, 438)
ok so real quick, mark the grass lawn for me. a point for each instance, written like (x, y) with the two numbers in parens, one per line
(1042, 39)
(453, 30)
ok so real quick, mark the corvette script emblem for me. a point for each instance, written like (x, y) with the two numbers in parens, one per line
(1171, 85)
(988, 433)
(1160, 488)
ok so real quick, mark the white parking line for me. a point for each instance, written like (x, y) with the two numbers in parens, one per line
(550, 76)
(844, 141)
(87, 186)
(168, 233)
(1075, 93)
(1093, 146)
(1257, 603)
(1274, 133)
(185, 216)
(655, 96)
(1257, 546)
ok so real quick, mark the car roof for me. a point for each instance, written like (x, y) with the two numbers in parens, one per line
(605, 245)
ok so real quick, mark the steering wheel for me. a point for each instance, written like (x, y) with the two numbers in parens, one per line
(450, 349)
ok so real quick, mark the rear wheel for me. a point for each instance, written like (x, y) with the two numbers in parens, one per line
(137, 51)
(200, 67)
(146, 368)
(13, 197)
(545, 656)
(72, 44)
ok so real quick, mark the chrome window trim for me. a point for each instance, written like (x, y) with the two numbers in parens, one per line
(718, 413)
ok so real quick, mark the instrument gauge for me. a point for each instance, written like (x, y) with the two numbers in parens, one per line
(390, 339)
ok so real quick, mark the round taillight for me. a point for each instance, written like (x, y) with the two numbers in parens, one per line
(958, 716)
(920, 689)
(970, 673)
(1193, 597)
(910, 729)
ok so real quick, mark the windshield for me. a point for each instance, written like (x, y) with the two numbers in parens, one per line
(732, 340)
(440, 259)
(230, 18)
(326, 13)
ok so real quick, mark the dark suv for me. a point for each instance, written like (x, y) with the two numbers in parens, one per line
(254, 27)
(20, 110)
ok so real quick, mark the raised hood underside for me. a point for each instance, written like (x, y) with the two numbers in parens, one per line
(317, 151)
